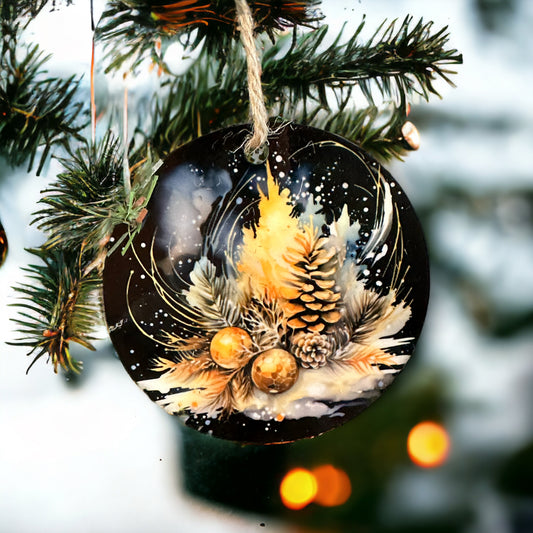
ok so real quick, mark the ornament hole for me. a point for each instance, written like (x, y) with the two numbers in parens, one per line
(258, 155)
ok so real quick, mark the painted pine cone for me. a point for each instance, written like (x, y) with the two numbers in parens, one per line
(312, 349)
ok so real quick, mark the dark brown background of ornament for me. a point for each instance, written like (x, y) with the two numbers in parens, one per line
(215, 151)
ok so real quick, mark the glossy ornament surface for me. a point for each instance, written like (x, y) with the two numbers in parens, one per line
(231, 347)
(267, 303)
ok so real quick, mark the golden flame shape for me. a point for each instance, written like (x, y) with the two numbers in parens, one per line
(262, 265)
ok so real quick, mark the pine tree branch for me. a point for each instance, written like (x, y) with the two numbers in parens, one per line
(143, 28)
(57, 306)
(89, 198)
(81, 202)
(59, 302)
(396, 63)
(212, 93)
(378, 131)
(36, 112)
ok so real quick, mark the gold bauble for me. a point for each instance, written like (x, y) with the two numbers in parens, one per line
(231, 347)
(274, 371)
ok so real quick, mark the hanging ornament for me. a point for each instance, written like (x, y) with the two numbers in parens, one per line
(269, 302)
(278, 284)
(3, 244)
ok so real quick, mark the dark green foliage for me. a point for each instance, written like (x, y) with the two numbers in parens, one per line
(93, 195)
(81, 203)
(144, 28)
(59, 303)
(395, 62)
(58, 306)
(35, 111)
(300, 84)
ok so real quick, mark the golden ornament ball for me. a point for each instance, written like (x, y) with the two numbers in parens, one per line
(231, 347)
(274, 371)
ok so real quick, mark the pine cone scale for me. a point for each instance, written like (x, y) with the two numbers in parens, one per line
(296, 323)
(327, 296)
(332, 317)
(323, 273)
(325, 283)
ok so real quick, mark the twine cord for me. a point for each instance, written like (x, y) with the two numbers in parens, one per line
(259, 139)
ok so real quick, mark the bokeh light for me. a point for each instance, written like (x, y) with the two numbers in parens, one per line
(298, 488)
(428, 444)
(333, 486)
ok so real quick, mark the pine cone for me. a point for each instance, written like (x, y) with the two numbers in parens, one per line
(312, 349)
(315, 307)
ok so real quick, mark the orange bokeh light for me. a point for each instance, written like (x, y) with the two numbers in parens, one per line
(428, 444)
(298, 488)
(333, 486)
(325, 485)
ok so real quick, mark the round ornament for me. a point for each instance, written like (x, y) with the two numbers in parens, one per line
(231, 347)
(274, 371)
(266, 303)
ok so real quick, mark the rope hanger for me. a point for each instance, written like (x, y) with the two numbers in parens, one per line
(256, 147)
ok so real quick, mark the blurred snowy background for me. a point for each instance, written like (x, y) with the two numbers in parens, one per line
(95, 455)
